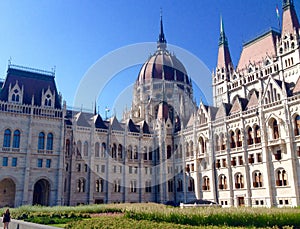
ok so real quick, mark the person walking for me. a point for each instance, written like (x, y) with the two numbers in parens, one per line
(6, 219)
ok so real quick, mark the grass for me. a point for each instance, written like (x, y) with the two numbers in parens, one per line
(152, 215)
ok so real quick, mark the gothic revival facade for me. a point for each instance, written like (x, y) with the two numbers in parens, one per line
(243, 150)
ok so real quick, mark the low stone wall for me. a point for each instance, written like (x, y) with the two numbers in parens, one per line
(18, 224)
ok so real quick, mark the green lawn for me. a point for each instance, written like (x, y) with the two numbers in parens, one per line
(152, 215)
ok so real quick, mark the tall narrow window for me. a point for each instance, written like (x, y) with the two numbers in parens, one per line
(97, 148)
(50, 141)
(16, 139)
(85, 149)
(41, 142)
(7, 136)
(275, 130)
(297, 125)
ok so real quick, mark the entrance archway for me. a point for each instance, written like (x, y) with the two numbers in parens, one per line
(7, 193)
(41, 193)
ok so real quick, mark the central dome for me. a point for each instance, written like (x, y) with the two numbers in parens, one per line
(164, 66)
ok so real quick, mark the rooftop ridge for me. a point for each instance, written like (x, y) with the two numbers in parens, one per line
(31, 70)
(261, 34)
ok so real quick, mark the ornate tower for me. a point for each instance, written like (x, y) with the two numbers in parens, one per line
(223, 70)
(163, 82)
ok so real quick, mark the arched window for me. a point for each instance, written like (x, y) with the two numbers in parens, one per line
(191, 186)
(78, 148)
(169, 153)
(179, 185)
(297, 125)
(239, 181)
(103, 149)
(202, 145)
(129, 152)
(135, 156)
(81, 185)
(257, 179)
(99, 185)
(191, 148)
(7, 137)
(275, 129)
(281, 178)
(114, 151)
(50, 141)
(232, 140)
(222, 182)
(41, 141)
(206, 185)
(148, 186)
(250, 136)
(222, 142)
(120, 151)
(217, 142)
(180, 151)
(117, 185)
(239, 138)
(150, 154)
(86, 149)
(16, 139)
(187, 153)
(68, 147)
(257, 137)
(97, 149)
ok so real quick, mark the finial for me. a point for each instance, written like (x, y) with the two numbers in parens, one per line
(161, 43)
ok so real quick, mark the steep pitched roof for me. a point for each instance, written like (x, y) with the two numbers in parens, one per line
(132, 127)
(83, 119)
(253, 101)
(257, 49)
(296, 89)
(289, 18)
(145, 127)
(191, 120)
(223, 110)
(34, 82)
(98, 121)
(115, 125)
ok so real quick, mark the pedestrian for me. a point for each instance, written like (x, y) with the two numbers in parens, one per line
(6, 219)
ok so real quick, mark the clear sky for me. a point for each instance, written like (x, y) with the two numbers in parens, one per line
(74, 34)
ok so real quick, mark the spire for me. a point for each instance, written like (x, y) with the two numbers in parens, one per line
(223, 38)
(289, 18)
(224, 58)
(162, 42)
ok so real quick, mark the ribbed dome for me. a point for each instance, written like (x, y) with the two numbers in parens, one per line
(163, 65)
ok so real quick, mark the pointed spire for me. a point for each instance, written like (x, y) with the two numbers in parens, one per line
(162, 42)
(289, 18)
(223, 38)
(224, 57)
(95, 111)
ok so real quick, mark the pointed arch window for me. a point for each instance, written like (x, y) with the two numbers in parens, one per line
(297, 125)
(239, 181)
(103, 149)
(239, 138)
(99, 185)
(275, 129)
(257, 137)
(86, 149)
(47, 101)
(16, 139)
(179, 185)
(7, 138)
(120, 151)
(191, 186)
(169, 152)
(97, 148)
(257, 179)
(250, 136)
(41, 141)
(281, 178)
(232, 140)
(222, 182)
(81, 185)
(49, 141)
(205, 185)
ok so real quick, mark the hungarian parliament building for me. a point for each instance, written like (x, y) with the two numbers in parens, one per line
(243, 150)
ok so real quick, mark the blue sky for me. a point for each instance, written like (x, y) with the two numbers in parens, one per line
(74, 34)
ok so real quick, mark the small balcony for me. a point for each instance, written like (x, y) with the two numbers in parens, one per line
(277, 141)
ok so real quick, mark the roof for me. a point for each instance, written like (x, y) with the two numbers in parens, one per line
(289, 19)
(258, 48)
(33, 81)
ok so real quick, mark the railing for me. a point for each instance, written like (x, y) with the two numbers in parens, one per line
(29, 109)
